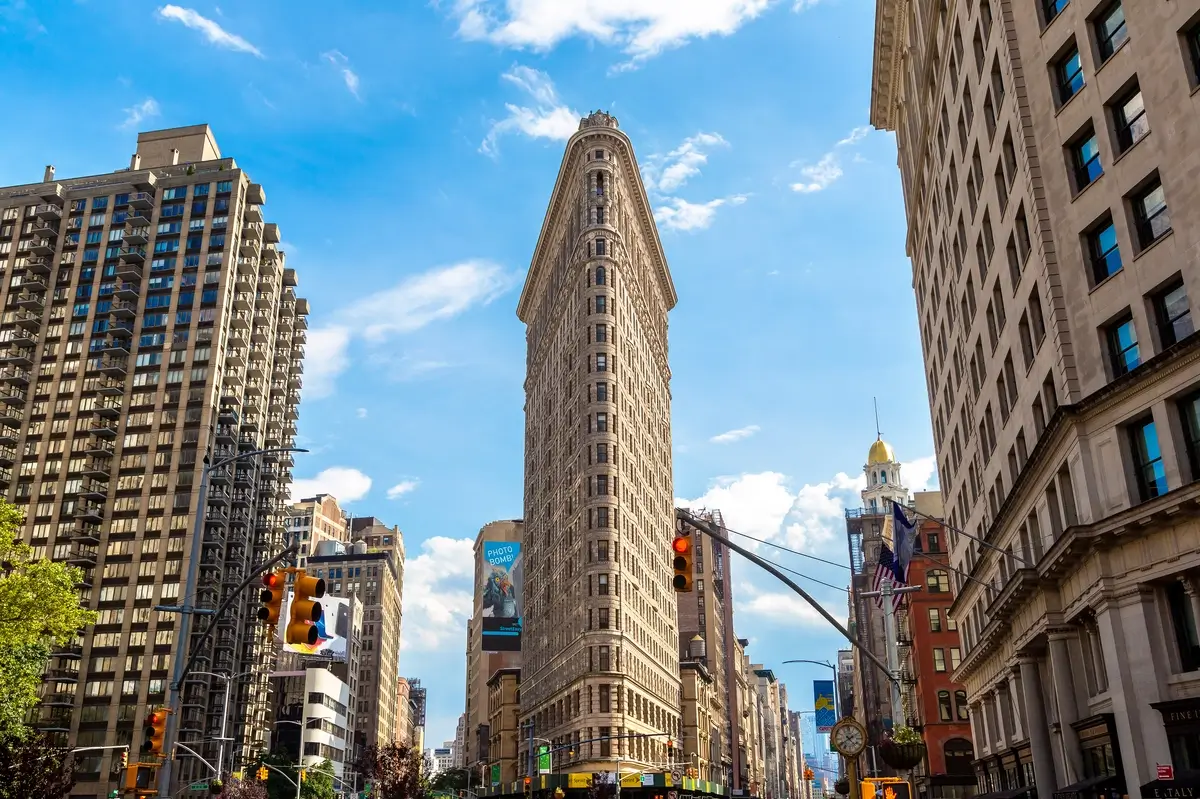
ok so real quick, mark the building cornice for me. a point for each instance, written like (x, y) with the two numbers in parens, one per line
(560, 194)
(890, 16)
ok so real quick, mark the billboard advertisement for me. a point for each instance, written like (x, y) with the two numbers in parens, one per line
(826, 715)
(501, 576)
(332, 630)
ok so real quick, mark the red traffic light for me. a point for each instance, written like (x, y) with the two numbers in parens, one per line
(681, 544)
(272, 579)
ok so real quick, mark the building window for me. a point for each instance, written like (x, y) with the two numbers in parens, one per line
(1183, 624)
(601, 334)
(605, 659)
(1147, 460)
(1150, 210)
(960, 701)
(959, 755)
(1052, 8)
(951, 624)
(601, 247)
(601, 362)
(955, 657)
(945, 710)
(1173, 315)
(1103, 252)
(937, 582)
(1068, 74)
(939, 659)
(1189, 412)
(1085, 160)
(935, 620)
(1192, 35)
(934, 542)
(601, 304)
(599, 269)
(1122, 346)
(1111, 32)
(1129, 116)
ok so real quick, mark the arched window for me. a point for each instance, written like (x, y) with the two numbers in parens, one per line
(874, 479)
(599, 275)
(937, 582)
(945, 711)
(883, 477)
(960, 700)
(959, 755)
(872, 504)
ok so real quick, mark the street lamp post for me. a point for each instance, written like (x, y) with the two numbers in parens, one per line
(187, 610)
(224, 716)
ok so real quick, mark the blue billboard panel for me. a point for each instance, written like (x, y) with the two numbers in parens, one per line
(826, 715)
(501, 589)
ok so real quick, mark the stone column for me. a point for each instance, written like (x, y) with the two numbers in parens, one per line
(1034, 707)
(1014, 691)
(1004, 707)
(989, 722)
(1064, 692)
(1192, 587)
(1137, 664)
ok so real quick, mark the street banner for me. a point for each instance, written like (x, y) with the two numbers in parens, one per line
(826, 715)
(501, 590)
(544, 759)
(332, 630)
(495, 774)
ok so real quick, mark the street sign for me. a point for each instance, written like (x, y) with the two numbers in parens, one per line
(1166, 772)
(198, 786)
(672, 794)
(676, 776)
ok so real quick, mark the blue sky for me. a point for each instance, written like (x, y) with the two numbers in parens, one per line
(408, 150)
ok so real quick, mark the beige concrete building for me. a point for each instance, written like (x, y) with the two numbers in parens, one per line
(149, 327)
(402, 733)
(374, 580)
(482, 665)
(380, 538)
(702, 713)
(707, 612)
(313, 520)
(504, 726)
(600, 654)
(751, 774)
(1048, 159)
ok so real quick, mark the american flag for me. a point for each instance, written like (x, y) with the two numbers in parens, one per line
(886, 570)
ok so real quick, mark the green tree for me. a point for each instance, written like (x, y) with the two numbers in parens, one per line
(318, 782)
(395, 771)
(32, 766)
(39, 609)
(451, 781)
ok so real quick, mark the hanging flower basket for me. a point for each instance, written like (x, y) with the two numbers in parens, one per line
(842, 786)
(902, 756)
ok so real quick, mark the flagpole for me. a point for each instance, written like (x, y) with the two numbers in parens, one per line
(942, 522)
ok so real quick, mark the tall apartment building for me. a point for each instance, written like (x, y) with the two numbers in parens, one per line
(707, 612)
(771, 713)
(600, 656)
(373, 579)
(1047, 153)
(417, 699)
(149, 326)
(872, 698)
(380, 538)
(313, 520)
(930, 652)
(504, 720)
(749, 776)
(482, 665)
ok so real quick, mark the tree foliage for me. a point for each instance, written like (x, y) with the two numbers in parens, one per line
(39, 609)
(318, 782)
(243, 789)
(32, 766)
(395, 771)
(450, 781)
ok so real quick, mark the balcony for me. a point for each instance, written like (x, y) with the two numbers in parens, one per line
(14, 375)
(226, 434)
(30, 301)
(98, 468)
(264, 300)
(142, 200)
(109, 406)
(43, 247)
(86, 533)
(137, 219)
(136, 235)
(129, 291)
(10, 395)
(129, 272)
(123, 309)
(241, 319)
(50, 719)
(8, 455)
(99, 447)
(242, 300)
(58, 699)
(25, 337)
(270, 256)
(253, 231)
(89, 512)
(83, 554)
(104, 428)
(33, 284)
(28, 320)
(253, 213)
(38, 266)
(111, 386)
(48, 212)
(134, 255)
(248, 248)
(114, 366)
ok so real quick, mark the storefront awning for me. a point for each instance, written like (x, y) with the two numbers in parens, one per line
(1187, 787)
(1085, 789)
(1012, 793)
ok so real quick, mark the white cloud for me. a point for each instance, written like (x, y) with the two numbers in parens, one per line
(431, 296)
(668, 172)
(144, 110)
(343, 482)
(213, 32)
(361, 413)
(819, 176)
(548, 118)
(402, 488)
(642, 28)
(678, 214)
(342, 64)
(731, 436)
(811, 518)
(438, 594)
(324, 359)
(785, 607)
(854, 136)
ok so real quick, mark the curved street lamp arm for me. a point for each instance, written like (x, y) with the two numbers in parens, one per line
(251, 454)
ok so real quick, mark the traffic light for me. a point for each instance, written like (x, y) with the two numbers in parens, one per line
(303, 775)
(808, 774)
(124, 758)
(681, 552)
(271, 597)
(528, 785)
(154, 729)
(262, 773)
(305, 612)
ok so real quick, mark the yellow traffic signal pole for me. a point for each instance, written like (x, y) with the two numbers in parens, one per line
(186, 611)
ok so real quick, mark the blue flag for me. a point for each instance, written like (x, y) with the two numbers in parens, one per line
(904, 535)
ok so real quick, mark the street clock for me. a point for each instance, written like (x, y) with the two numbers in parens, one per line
(848, 737)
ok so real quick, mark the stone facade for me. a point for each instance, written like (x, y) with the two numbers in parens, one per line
(600, 656)
(1048, 164)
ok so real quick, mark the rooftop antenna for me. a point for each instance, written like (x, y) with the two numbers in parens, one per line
(878, 434)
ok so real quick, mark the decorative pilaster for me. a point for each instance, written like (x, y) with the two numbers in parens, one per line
(1034, 704)
(1064, 692)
